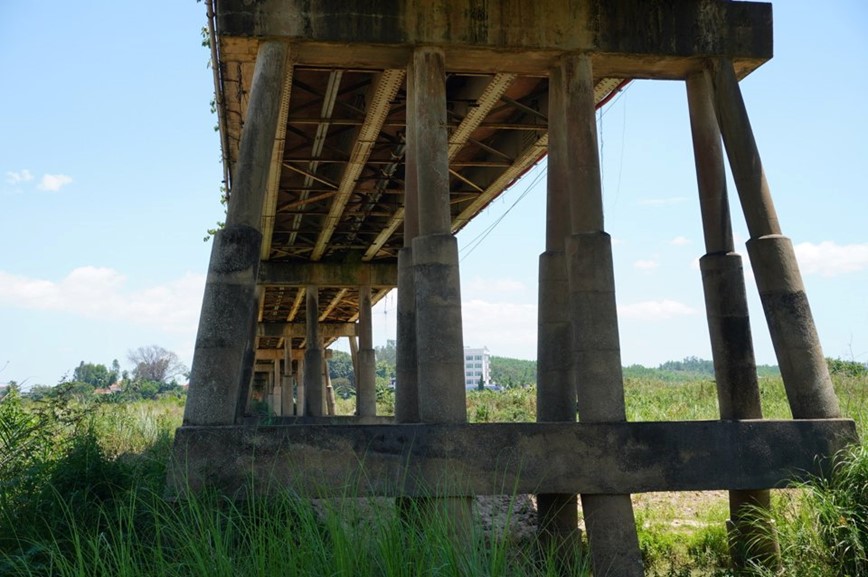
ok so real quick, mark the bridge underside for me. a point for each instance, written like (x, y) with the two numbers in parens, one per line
(359, 137)
(336, 187)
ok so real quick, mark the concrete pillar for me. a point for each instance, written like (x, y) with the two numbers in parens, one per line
(439, 339)
(354, 357)
(366, 393)
(728, 321)
(406, 367)
(440, 348)
(556, 388)
(287, 407)
(223, 356)
(328, 389)
(300, 396)
(788, 314)
(313, 358)
(277, 389)
(609, 519)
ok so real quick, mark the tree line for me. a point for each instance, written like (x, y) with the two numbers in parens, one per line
(155, 372)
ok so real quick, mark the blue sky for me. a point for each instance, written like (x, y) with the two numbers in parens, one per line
(110, 174)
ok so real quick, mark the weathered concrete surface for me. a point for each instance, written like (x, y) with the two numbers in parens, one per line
(463, 459)
(366, 378)
(331, 274)
(791, 324)
(226, 323)
(439, 338)
(406, 371)
(223, 357)
(612, 535)
(289, 330)
(314, 387)
(556, 388)
(788, 314)
(655, 38)
(752, 540)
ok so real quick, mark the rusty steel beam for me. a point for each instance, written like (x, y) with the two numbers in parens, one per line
(333, 304)
(383, 93)
(476, 114)
(328, 106)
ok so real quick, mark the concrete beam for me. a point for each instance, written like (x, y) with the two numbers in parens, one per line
(380, 274)
(298, 330)
(659, 38)
(591, 458)
(266, 355)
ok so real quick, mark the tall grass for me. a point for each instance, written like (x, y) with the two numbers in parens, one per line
(81, 494)
(210, 536)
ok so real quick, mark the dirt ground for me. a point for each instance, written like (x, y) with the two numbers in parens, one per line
(682, 509)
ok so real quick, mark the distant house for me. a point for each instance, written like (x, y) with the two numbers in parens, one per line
(476, 367)
(110, 390)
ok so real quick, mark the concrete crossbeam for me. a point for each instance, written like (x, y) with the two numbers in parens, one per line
(299, 330)
(326, 274)
(658, 39)
(506, 458)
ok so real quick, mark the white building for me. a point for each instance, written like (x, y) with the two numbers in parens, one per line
(476, 367)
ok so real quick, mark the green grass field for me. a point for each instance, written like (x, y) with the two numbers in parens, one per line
(81, 494)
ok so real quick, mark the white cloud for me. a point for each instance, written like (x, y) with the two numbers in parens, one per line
(501, 285)
(646, 264)
(18, 177)
(663, 201)
(98, 292)
(831, 259)
(655, 310)
(507, 329)
(680, 241)
(53, 182)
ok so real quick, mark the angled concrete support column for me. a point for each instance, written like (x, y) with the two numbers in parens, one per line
(609, 519)
(556, 388)
(313, 358)
(788, 314)
(366, 394)
(728, 321)
(406, 367)
(223, 357)
(439, 339)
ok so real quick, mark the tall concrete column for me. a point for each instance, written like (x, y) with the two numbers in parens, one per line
(406, 366)
(596, 347)
(440, 349)
(556, 388)
(788, 314)
(313, 358)
(329, 391)
(439, 339)
(366, 394)
(287, 407)
(223, 356)
(300, 397)
(728, 320)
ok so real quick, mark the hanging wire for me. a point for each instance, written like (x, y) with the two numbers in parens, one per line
(477, 240)
(604, 108)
